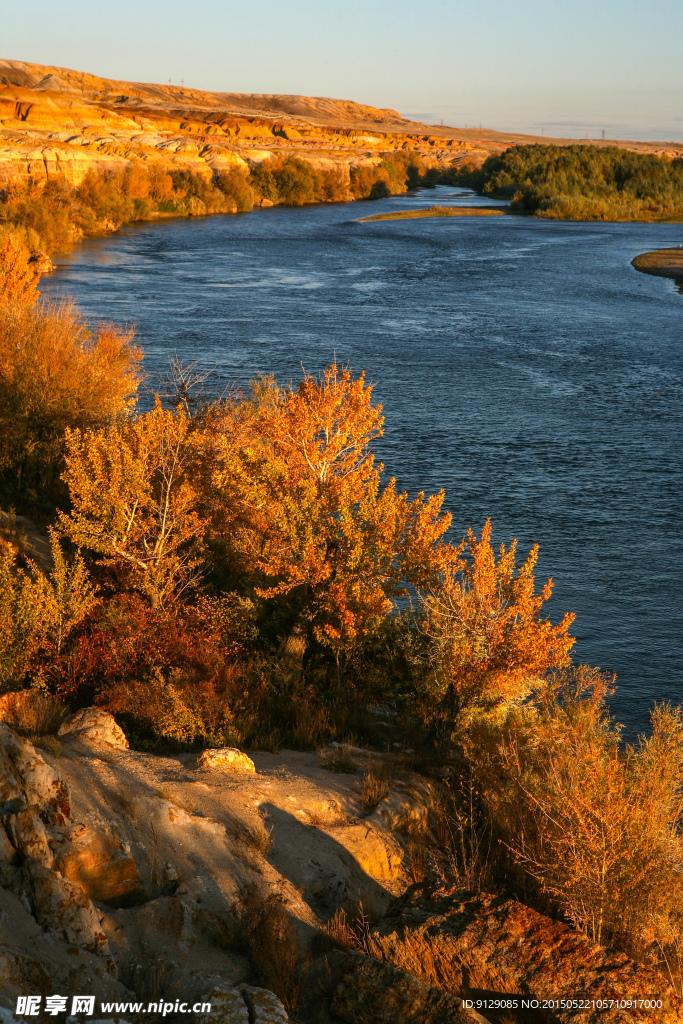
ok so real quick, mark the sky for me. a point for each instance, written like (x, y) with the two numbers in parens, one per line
(571, 69)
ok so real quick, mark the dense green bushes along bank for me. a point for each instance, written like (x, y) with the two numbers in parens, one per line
(582, 182)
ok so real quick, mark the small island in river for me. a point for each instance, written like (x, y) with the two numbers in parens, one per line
(662, 263)
(441, 211)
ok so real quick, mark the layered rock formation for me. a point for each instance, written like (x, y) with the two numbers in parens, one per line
(55, 122)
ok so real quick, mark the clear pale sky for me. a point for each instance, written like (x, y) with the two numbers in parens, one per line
(567, 68)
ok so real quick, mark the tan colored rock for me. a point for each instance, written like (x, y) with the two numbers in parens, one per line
(376, 852)
(225, 759)
(93, 727)
(62, 907)
(461, 942)
(227, 1007)
(41, 262)
(26, 781)
(32, 961)
(244, 1005)
(7, 851)
(264, 1006)
(95, 863)
(29, 837)
(406, 805)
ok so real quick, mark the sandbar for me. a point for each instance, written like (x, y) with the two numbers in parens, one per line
(441, 211)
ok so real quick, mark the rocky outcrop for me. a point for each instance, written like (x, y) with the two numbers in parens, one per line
(33, 961)
(27, 783)
(54, 865)
(61, 906)
(226, 759)
(264, 1006)
(356, 988)
(468, 944)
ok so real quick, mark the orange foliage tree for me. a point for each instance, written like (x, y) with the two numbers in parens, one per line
(55, 372)
(132, 501)
(296, 488)
(18, 279)
(491, 644)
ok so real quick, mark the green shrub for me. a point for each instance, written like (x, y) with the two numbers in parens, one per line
(582, 182)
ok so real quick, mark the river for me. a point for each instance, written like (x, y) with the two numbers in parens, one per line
(523, 366)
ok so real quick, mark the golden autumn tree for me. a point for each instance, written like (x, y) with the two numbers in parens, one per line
(297, 490)
(24, 616)
(18, 279)
(492, 646)
(132, 501)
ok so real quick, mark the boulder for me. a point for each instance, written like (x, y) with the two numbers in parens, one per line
(406, 806)
(93, 727)
(227, 1007)
(358, 988)
(41, 262)
(465, 943)
(264, 1006)
(244, 1005)
(225, 759)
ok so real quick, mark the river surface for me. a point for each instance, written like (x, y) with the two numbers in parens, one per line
(523, 366)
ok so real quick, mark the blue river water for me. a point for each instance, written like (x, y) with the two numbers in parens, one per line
(523, 366)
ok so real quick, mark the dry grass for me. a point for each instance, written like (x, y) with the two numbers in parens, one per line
(32, 713)
(250, 839)
(267, 933)
(417, 861)
(350, 931)
(373, 788)
(49, 743)
(339, 760)
(462, 836)
(150, 980)
(441, 211)
(339, 931)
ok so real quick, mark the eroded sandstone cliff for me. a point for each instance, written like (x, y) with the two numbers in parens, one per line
(55, 122)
